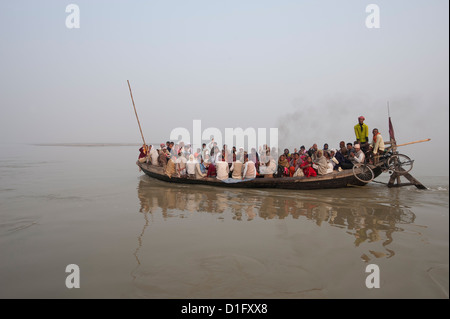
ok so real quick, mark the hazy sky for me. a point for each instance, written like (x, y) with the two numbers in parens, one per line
(309, 68)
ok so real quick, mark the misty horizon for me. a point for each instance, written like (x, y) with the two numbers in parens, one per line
(309, 69)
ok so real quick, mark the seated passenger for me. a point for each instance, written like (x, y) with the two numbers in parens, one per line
(302, 150)
(283, 166)
(236, 169)
(307, 167)
(359, 156)
(343, 162)
(249, 168)
(269, 168)
(254, 157)
(350, 150)
(164, 155)
(287, 154)
(143, 155)
(294, 164)
(154, 156)
(205, 151)
(222, 170)
(188, 149)
(198, 154)
(190, 166)
(333, 159)
(216, 155)
(329, 162)
(211, 170)
(312, 151)
(321, 163)
(233, 153)
(264, 156)
(170, 167)
(227, 155)
(181, 164)
(240, 155)
(201, 169)
(169, 146)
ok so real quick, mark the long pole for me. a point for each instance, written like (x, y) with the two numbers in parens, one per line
(426, 140)
(137, 118)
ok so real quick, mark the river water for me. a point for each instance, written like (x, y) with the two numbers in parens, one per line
(135, 237)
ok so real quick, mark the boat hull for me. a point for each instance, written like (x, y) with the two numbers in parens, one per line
(332, 180)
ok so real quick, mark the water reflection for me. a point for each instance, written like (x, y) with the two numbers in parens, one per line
(367, 220)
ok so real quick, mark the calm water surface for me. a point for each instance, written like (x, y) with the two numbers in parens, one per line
(135, 237)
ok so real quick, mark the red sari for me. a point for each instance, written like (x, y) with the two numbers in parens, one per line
(308, 171)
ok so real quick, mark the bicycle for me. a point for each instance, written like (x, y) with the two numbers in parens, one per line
(390, 161)
(363, 172)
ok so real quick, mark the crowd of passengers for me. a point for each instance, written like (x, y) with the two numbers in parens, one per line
(210, 161)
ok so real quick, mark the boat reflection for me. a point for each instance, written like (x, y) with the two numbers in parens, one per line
(368, 221)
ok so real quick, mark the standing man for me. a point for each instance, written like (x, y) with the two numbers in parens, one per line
(362, 133)
(377, 145)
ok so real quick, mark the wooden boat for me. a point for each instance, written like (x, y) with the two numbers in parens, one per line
(335, 179)
(345, 178)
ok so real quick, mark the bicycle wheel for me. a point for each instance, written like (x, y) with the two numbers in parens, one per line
(363, 173)
(400, 164)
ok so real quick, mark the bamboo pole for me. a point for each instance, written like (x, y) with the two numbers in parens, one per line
(137, 118)
(420, 141)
